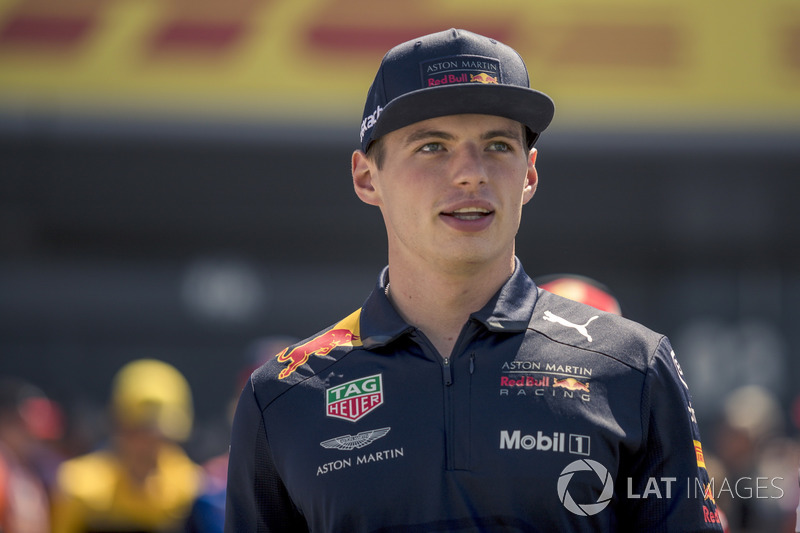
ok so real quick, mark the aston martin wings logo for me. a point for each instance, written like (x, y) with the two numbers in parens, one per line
(348, 442)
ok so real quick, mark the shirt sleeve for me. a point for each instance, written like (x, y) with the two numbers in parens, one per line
(666, 487)
(256, 499)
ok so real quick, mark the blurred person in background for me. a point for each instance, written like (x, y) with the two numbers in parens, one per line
(208, 510)
(757, 489)
(27, 420)
(581, 289)
(142, 480)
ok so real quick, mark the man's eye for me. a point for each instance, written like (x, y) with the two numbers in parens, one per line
(499, 146)
(431, 147)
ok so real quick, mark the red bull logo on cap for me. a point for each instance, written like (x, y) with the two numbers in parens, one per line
(345, 333)
(571, 384)
(482, 78)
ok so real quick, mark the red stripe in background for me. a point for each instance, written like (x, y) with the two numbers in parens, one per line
(205, 36)
(350, 39)
(43, 30)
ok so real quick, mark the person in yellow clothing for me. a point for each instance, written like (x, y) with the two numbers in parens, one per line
(143, 481)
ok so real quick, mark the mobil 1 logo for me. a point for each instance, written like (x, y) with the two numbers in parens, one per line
(555, 442)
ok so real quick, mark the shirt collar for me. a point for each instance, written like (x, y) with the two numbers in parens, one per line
(509, 310)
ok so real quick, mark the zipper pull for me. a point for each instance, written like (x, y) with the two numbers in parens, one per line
(472, 363)
(448, 372)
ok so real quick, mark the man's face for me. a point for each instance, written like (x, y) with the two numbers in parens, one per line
(451, 189)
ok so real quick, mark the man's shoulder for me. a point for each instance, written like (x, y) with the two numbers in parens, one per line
(302, 360)
(579, 325)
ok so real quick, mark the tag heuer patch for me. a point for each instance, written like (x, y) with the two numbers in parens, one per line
(354, 399)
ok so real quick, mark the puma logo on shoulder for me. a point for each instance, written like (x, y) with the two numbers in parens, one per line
(580, 328)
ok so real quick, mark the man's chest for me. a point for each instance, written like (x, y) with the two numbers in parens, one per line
(513, 418)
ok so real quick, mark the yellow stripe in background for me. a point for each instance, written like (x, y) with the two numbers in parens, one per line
(674, 62)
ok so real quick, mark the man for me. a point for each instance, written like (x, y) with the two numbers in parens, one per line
(143, 481)
(460, 397)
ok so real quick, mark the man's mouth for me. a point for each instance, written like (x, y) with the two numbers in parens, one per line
(469, 213)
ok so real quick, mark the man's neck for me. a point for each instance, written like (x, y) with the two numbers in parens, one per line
(439, 301)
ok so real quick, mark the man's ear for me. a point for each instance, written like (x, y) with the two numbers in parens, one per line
(363, 170)
(532, 178)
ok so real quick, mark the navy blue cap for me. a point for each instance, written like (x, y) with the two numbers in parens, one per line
(449, 73)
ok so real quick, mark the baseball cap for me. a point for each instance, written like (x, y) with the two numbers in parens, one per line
(448, 73)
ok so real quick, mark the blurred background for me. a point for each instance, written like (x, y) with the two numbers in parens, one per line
(175, 184)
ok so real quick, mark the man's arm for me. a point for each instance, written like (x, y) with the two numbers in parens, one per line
(257, 500)
(666, 487)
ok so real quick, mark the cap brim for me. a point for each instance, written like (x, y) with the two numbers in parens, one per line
(528, 106)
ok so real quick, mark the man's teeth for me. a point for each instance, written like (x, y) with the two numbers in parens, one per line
(470, 213)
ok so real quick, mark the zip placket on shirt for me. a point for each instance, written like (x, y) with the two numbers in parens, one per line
(449, 392)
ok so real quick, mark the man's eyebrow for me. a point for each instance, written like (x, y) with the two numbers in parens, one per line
(507, 133)
(420, 135)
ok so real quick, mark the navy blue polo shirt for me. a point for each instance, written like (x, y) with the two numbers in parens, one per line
(549, 415)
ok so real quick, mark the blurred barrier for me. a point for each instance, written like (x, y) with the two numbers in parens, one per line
(662, 63)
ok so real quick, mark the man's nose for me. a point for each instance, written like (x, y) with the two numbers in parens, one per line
(468, 167)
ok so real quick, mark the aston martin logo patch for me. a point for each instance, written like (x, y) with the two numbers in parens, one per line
(348, 442)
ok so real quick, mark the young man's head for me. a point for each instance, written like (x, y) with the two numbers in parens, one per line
(447, 148)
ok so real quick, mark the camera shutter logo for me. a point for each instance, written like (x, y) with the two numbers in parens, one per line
(585, 509)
